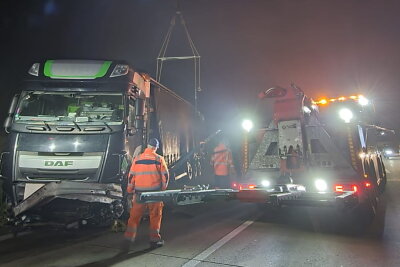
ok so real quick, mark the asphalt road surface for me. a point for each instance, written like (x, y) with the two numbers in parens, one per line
(227, 234)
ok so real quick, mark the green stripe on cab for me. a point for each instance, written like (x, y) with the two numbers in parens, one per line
(74, 69)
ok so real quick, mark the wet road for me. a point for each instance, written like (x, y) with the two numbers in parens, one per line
(227, 234)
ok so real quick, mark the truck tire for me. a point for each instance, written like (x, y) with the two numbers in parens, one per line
(189, 170)
(365, 213)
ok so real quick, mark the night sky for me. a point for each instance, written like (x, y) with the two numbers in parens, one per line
(328, 48)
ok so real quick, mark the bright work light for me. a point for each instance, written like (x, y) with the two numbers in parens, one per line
(363, 101)
(346, 115)
(265, 183)
(320, 185)
(247, 125)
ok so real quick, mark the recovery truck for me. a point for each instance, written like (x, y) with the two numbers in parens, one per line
(303, 157)
(317, 154)
(72, 133)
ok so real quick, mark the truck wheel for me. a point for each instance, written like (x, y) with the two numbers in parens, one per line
(189, 170)
(366, 212)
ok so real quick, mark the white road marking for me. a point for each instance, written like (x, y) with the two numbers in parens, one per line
(387, 171)
(203, 255)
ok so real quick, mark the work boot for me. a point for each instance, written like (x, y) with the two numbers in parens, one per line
(157, 244)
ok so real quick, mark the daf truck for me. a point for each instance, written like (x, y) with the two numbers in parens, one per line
(73, 129)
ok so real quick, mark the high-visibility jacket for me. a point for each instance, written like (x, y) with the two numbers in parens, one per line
(148, 172)
(221, 160)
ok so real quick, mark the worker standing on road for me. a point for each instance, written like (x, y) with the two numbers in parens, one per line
(221, 161)
(149, 172)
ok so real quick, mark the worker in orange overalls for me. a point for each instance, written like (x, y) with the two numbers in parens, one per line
(149, 172)
(221, 161)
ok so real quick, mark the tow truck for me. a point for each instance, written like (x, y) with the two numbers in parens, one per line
(309, 154)
(318, 153)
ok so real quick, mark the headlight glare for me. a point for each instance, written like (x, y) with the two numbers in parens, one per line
(320, 185)
(346, 115)
(265, 183)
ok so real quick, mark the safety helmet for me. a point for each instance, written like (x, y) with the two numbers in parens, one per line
(154, 142)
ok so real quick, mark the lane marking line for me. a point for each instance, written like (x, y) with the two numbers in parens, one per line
(203, 255)
(387, 171)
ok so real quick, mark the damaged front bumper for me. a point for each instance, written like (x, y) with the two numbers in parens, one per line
(88, 192)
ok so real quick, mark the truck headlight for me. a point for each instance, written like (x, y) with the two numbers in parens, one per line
(346, 114)
(120, 70)
(34, 70)
(321, 185)
(265, 183)
(363, 101)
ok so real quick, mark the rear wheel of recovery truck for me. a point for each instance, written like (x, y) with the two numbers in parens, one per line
(369, 217)
(365, 213)
(372, 221)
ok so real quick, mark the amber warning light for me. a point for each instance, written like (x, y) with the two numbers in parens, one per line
(362, 100)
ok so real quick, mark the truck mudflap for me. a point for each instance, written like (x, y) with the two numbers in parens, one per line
(88, 192)
(285, 195)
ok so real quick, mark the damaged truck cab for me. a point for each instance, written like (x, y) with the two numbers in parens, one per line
(73, 131)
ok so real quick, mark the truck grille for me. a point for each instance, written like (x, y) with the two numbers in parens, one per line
(58, 166)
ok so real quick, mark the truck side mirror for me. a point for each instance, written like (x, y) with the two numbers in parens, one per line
(11, 111)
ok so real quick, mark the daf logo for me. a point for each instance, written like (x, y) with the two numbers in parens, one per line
(58, 163)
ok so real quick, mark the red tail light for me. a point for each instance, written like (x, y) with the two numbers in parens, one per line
(368, 184)
(234, 185)
(339, 188)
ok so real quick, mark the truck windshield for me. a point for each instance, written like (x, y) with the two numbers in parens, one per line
(55, 107)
